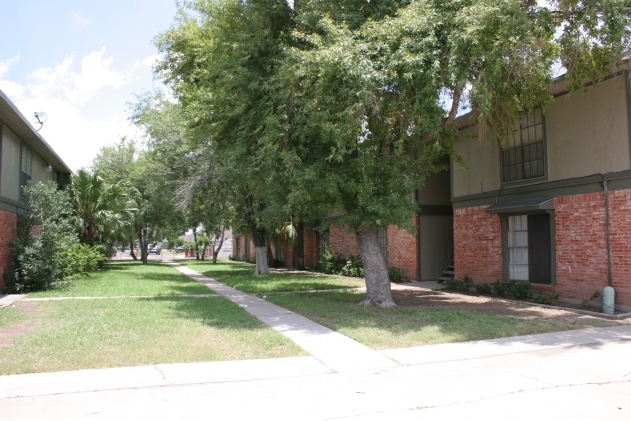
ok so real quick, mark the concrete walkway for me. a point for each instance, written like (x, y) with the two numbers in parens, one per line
(334, 350)
(553, 376)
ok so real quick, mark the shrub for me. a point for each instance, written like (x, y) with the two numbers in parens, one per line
(458, 285)
(80, 259)
(37, 255)
(252, 260)
(353, 267)
(483, 289)
(395, 274)
(554, 296)
(520, 290)
(498, 288)
(539, 297)
(330, 262)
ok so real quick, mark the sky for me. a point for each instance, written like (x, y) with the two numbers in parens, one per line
(81, 62)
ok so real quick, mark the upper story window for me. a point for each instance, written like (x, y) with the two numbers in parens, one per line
(26, 167)
(523, 154)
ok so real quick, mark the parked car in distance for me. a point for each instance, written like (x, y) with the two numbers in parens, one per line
(179, 249)
(154, 248)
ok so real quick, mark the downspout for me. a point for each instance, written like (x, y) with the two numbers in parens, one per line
(606, 191)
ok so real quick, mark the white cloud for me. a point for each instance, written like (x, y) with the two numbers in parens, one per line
(146, 62)
(96, 74)
(85, 107)
(80, 20)
(6, 64)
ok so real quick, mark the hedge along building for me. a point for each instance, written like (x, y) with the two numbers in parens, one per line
(24, 156)
(551, 204)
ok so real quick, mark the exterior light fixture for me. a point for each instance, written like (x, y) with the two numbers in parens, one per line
(49, 167)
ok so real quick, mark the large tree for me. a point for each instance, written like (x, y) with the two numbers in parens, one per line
(219, 58)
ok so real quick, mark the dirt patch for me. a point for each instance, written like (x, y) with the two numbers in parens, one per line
(433, 299)
(32, 313)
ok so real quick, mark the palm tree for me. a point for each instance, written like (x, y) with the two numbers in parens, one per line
(104, 209)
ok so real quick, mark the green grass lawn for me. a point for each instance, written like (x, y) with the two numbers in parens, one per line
(125, 278)
(241, 276)
(408, 326)
(75, 334)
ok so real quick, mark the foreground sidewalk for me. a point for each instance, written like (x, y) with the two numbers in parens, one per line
(566, 375)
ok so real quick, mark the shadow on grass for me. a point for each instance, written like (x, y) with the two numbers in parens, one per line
(215, 312)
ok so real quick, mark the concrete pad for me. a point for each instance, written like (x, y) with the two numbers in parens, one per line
(7, 300)
(247, 370)
(82, 381)
(480, 349)
(468, 389)
(333, 349)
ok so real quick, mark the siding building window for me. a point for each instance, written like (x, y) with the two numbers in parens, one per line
(523, 155)
(26, 168)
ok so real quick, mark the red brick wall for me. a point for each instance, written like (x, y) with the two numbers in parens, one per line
(477, 244)
(580, 242)
(8, 223)
(403, 251)
(620, 235)
(288, 256)
(581, 245)
(342, 241)
(402, 247)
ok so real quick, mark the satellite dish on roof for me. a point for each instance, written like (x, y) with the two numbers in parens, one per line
(41, 116)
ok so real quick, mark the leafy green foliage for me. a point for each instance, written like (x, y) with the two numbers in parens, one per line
(519, 290)
(459, 285)
(484, 289)
(353, 267)
(498, 288)
(395, 274)
(81, 259)
(46, 232)
(330, 262)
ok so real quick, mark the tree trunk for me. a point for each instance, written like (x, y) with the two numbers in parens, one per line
(378, 291)
(144, 245)
(131, 250)
(217, 249)
(196, 245)
(204, 252)
(258, 238)
(262, 268)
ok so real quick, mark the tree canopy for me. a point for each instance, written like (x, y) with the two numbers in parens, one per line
(347, 106)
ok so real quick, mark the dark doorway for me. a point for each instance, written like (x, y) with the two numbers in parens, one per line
(539, 249)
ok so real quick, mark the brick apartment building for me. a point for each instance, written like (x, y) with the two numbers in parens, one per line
(531, 209)
(24, 156)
